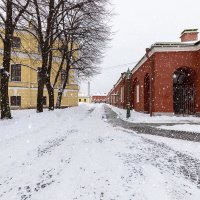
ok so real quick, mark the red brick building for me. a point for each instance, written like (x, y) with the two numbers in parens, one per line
(165, 80)
(99, 98)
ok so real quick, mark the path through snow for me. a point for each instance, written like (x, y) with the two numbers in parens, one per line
(77, 154)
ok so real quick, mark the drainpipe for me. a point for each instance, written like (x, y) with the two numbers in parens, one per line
(151, 77)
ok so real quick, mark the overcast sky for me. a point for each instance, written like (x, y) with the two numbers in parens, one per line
(138, 24)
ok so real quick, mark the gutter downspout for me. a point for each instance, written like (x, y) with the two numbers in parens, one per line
(151, 79)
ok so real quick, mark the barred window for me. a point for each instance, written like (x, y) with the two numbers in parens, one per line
(16, 42)
(15, 100)
(16, 72)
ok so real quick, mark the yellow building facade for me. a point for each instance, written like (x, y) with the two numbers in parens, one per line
(23, 74)
(84, 99)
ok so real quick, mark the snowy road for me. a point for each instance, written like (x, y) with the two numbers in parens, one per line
(76, 154)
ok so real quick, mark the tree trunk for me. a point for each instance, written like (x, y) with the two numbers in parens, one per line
(60, 92)
(59, 99)
(50, 90)
(40, 91)
(5, 108)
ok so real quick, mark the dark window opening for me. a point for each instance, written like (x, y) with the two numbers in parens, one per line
(15, 100)
(16, 72)
(79, 100)
(84, 100)
(16, 42)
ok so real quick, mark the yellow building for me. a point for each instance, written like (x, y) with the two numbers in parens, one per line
(84, 99)
(23, 74)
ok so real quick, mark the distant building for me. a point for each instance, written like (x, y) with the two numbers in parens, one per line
(165, 80)
(99, 98)
(82, 98)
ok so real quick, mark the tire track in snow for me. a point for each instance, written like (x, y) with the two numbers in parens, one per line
(46, 176)
(159, 155)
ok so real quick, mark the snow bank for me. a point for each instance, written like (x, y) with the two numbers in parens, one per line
(137, 117)
(194, 128)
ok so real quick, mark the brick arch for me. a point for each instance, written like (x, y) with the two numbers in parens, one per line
(188, 70)
(133, 92)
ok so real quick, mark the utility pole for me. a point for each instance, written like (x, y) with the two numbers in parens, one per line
(89, 90)
(128, 77)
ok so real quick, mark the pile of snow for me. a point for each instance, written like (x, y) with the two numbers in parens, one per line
(194, 128)
(137, 117)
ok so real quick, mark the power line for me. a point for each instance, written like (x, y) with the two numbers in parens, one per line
(117, 66)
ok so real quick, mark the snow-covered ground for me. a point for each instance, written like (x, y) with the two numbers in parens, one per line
(187, 147)
(189, 123)
(137, 117)
(182, 127)
(75, 154)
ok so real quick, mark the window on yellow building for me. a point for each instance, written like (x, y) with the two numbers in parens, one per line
(79, 100)
(16, 42)
(84, 100)
(16, 72)
(15, 100)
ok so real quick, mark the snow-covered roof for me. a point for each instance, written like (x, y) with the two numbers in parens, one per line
(83, 96)
(99, 94)
(168, 44)
(166, 47)
(189, 31)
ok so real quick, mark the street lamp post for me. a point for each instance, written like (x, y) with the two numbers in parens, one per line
(128, 77)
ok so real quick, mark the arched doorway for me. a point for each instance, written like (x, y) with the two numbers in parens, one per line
(133, 99)
(184, 91)
(147, 93)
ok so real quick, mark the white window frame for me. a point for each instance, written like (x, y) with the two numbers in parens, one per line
(122, 94)
(138, 93)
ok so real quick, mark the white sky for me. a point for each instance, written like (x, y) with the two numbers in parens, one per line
(138, 24)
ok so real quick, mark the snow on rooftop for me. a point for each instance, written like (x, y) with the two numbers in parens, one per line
(189, 31)
(99, 94)
(188, 43)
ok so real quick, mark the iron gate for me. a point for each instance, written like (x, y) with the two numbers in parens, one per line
(184, 101)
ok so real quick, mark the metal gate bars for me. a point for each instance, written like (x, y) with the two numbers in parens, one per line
(184, 101)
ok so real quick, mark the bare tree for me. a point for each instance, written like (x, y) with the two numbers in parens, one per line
(85, 33)
(10, 14)
(44, 14)
(79, 24)
(45, 19)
